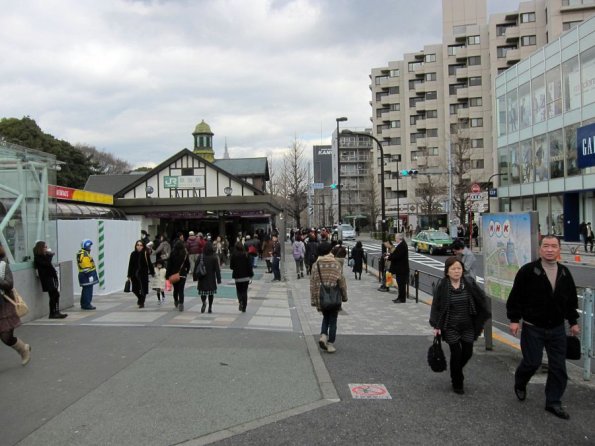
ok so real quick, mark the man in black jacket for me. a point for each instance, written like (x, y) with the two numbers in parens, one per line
(399, 267)
(543, 296)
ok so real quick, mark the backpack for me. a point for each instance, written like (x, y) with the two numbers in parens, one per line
(297, 250)
(200, 270)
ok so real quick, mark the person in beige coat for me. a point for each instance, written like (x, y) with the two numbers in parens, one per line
(331, 274)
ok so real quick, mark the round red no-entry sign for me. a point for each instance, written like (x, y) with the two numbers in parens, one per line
(475, 188)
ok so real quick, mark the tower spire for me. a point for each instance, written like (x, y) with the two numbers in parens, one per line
(226, 154)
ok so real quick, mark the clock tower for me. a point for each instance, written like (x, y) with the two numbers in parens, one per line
(203, 141)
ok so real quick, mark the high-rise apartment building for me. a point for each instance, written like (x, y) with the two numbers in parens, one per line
(434, 107)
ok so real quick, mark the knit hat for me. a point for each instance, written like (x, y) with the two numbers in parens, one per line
(191, 233)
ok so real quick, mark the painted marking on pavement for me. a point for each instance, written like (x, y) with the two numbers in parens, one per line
(369, 392)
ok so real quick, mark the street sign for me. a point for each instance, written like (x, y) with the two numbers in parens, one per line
(493, 192)
(369, 392)
(317, 185)
(475, 197)
(475, 188)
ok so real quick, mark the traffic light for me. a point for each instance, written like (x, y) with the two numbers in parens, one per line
(336, 186)
(408, 173)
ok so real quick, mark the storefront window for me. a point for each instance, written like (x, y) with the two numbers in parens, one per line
(556, 219)
(540, 158)
(588, 75)
(543, 209)
(512, 107)
(503, 165)
(570, 150)
(515, 166)
(526, 159)
(525, 106)
(556, 154)
(502, 115)
(571, 81)
(538, 86)
(554, 92)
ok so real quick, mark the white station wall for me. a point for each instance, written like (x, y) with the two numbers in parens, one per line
(120, 236)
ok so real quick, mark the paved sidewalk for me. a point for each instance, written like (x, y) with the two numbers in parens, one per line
(120, 375)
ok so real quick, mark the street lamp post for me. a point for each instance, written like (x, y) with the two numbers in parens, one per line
(382, 205)
(342, 119)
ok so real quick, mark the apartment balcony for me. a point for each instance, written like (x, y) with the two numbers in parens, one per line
(462, 113)
(420, 69)
(513, 33)
(421, 106)
(462, 73)
(461, 53)
(513, 56)
(421, 142)
(420, 88)
(420, 124)
(462, 94)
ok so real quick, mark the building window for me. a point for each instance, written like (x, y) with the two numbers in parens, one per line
(414, 155)
(524, 106)
(432, 114)
(502, 70)
(528, 40)
(393, 90)
(474, 60)
(474, 81)
(395, 107)
(430, 76)
(452, 109)
(476, 122)
(432, 133)
(569, 25)
(452, 88)
(475, 102)
(501, 111)
(587, 70)
(415, 65)
(477, 143)
(477, 164)
(432, 151)
(380, 95)
(553, 89)
(413, 119)
(538, 90)
(380, 79)
(527, 17)
(571, 83)
(395, 73)
(380, 112)
(431, 95)
(430, 58)
(395, 124)
(473, 40)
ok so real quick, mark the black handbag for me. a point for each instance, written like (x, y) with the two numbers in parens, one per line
(127, 286)
(330, 297)
(436, 358)
(200, 269)
(573, 348)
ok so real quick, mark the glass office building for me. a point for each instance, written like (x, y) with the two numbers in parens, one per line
(540, 104)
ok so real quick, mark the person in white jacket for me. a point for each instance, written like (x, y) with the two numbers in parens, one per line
(158, 281)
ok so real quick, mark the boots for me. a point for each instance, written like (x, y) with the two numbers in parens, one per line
(55, 314)
(204, 303)
(24, 350)
(211, 297)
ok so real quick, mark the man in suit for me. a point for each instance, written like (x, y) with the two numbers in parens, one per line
(399, 267)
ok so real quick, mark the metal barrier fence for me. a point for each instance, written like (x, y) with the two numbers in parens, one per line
(586, 304)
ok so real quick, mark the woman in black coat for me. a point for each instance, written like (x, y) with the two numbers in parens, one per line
(241, 265)
(207, 284)
(178, 263)
(139, 268)
(358, 257)
(459, 312)
(42, 260)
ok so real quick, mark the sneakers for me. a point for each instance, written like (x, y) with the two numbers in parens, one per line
(330, 347)
(323, 344)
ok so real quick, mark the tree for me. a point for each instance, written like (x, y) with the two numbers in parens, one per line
(461, 165)
(430, 194)
(77, 166)
(294, 181)
(373, 208)
(104, 163)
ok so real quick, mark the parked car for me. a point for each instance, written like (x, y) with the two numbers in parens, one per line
(432, 242)
(346, 232)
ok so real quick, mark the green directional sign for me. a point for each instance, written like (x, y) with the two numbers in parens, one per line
(170, 182)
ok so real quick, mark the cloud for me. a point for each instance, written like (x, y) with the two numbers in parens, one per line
(134, 77)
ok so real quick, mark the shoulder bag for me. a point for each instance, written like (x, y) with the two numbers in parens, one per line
(175, 278)
(436, 358)
(19, 303)
(330, 297)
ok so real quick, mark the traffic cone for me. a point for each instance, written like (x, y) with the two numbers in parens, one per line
(577, 256)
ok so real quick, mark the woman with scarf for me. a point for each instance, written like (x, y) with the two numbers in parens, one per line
(139, 268)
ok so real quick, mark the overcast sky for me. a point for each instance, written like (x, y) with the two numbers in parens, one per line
(135, 77)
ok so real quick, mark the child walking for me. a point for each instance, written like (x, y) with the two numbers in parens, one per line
(158, 282)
